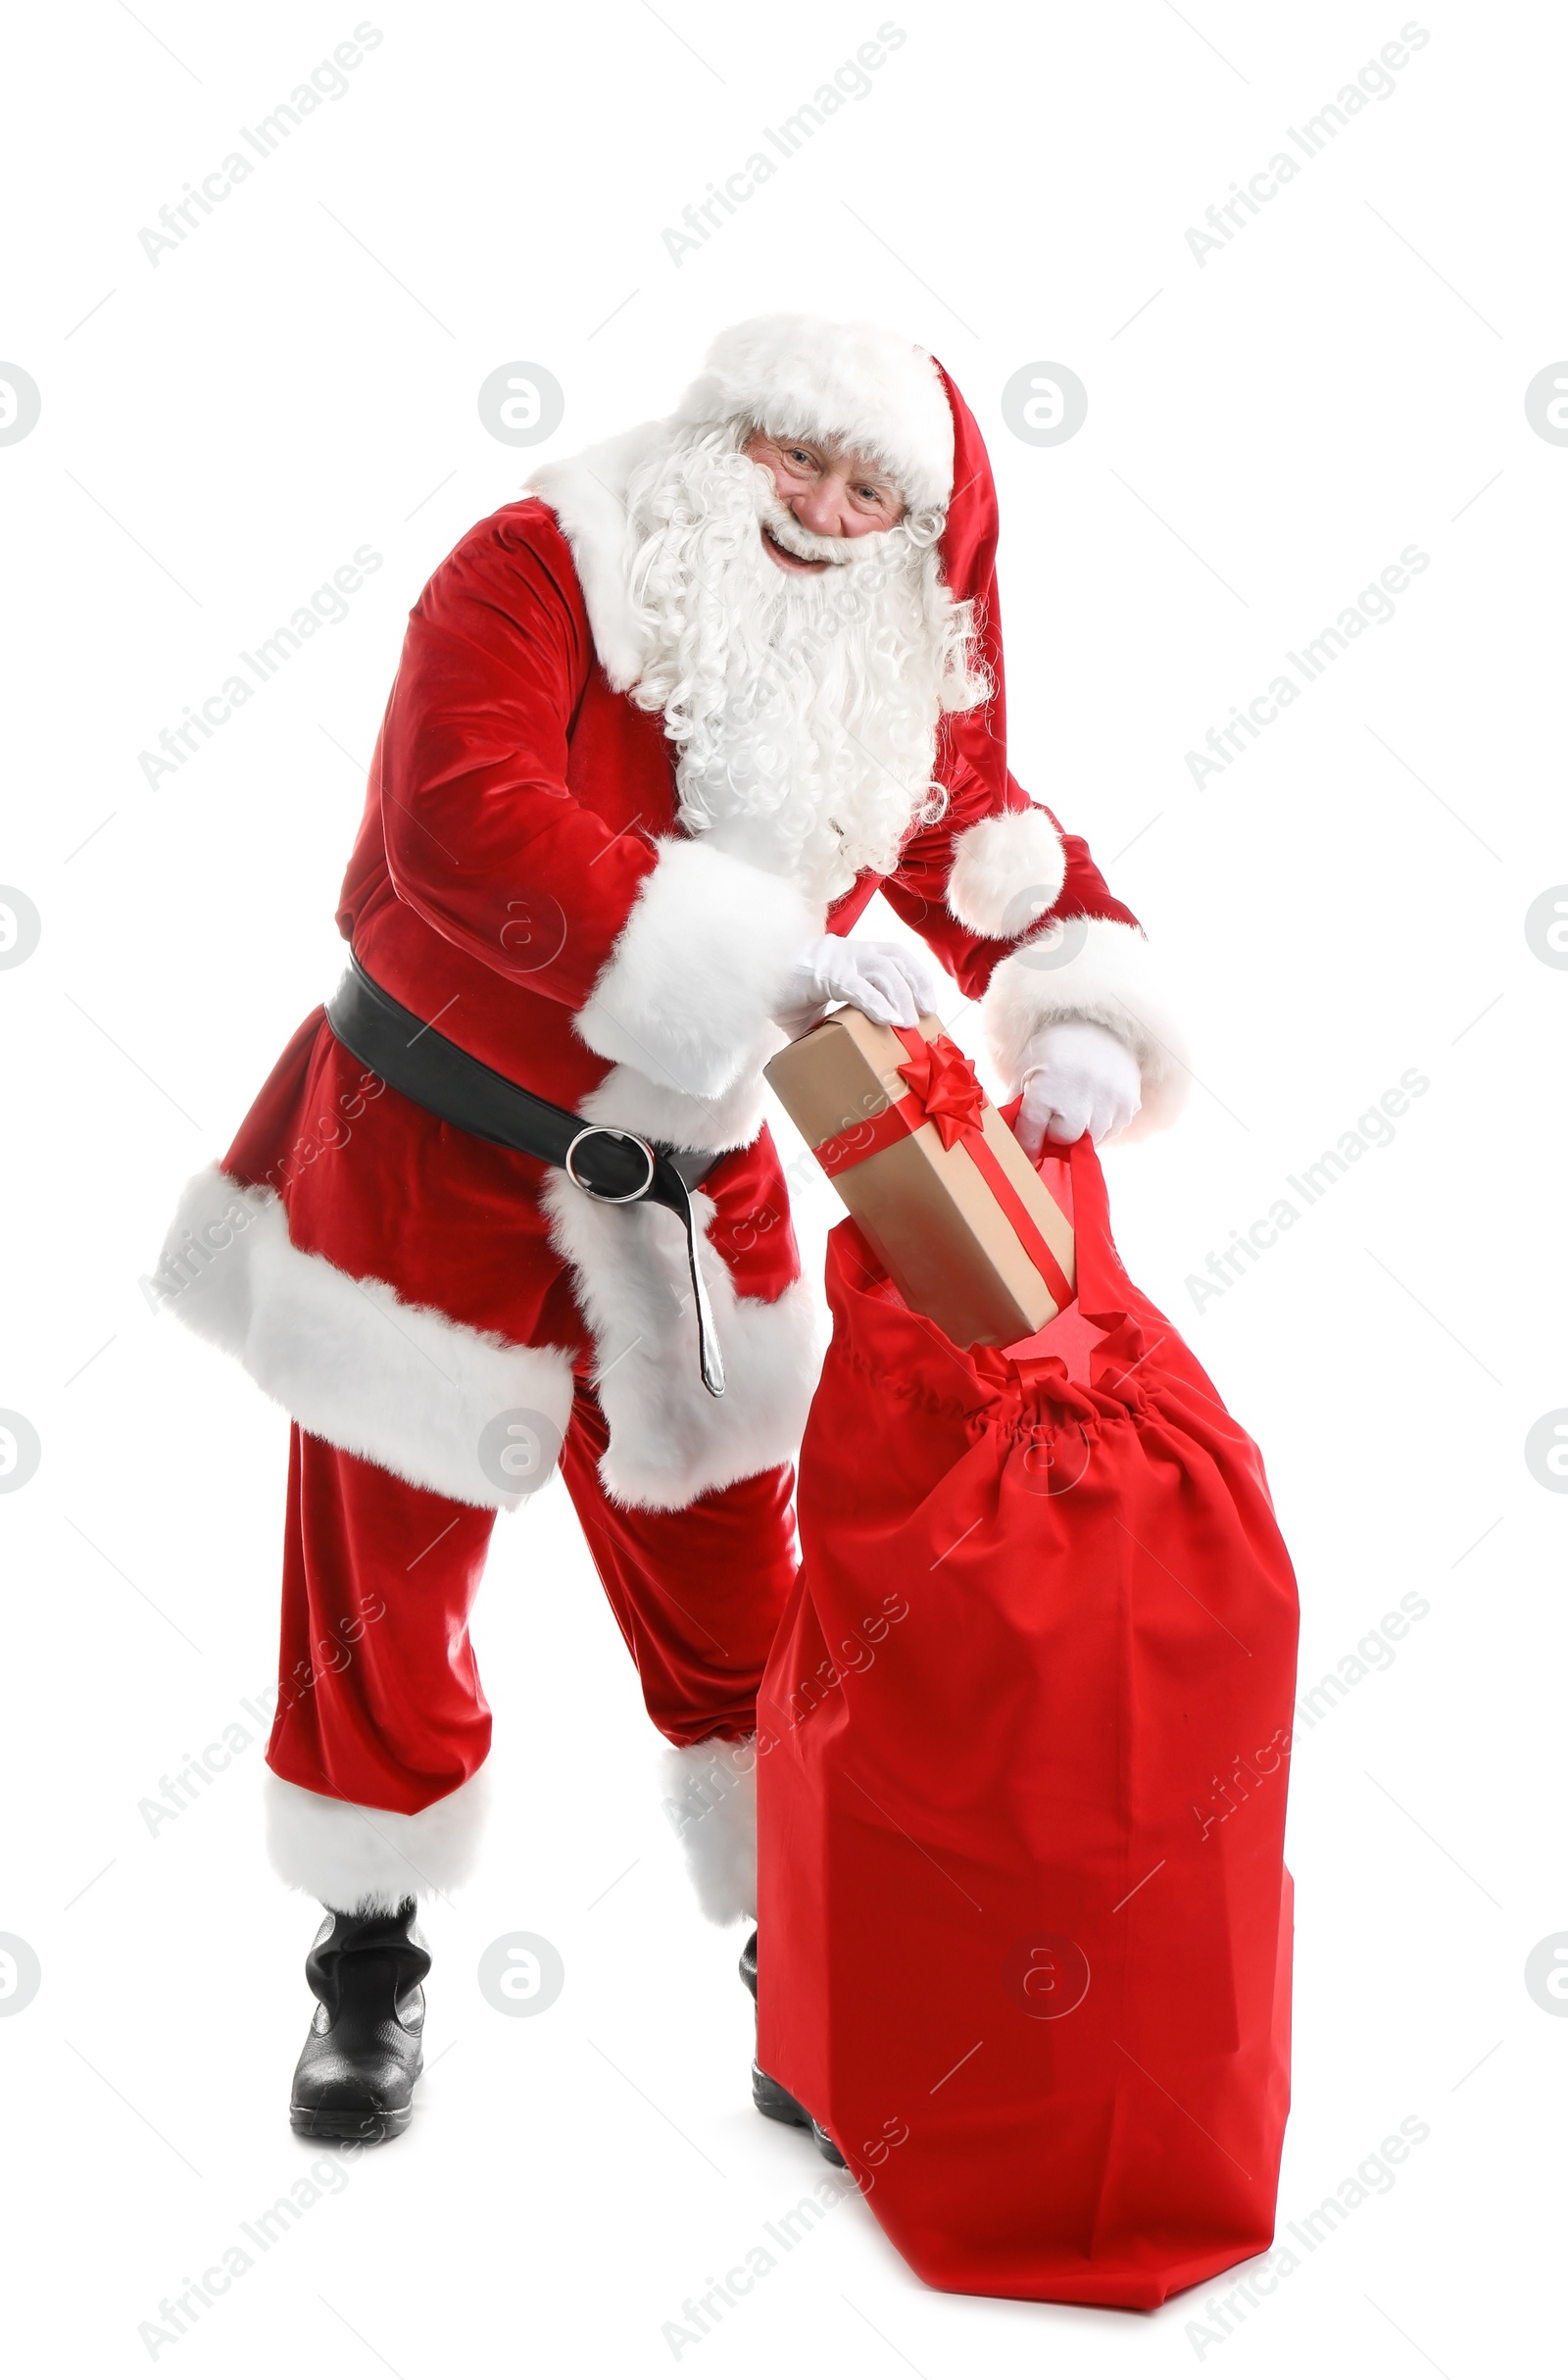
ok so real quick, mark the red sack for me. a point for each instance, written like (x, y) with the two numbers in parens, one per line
(1024, 1918)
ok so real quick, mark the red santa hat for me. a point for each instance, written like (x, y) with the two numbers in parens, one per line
(797, 375)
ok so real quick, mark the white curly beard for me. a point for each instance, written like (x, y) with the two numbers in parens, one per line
(804, 708)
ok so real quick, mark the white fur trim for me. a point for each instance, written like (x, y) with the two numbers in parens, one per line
(711, 1800)
(794, 374)
(401, 1385)
(1006, 871)
(587, 493)
(358, 1859)
(692, 985)
(1097, 970)
(628, 1099)
(669, 1440)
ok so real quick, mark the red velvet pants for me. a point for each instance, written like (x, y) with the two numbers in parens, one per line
(380, 1698)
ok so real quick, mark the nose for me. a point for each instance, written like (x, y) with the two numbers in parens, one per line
(822, 509)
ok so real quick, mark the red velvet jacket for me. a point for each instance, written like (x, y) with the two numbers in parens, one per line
(521, 882)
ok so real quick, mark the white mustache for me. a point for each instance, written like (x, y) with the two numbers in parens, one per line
(804, 543)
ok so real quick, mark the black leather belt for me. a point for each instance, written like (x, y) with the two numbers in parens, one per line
(619, 1167)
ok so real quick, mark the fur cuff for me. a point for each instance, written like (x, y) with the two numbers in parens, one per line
(711, 1800)
(356, 1859)
(1006, 871)
(1095, 969)
(349, 1361)
(692, 985)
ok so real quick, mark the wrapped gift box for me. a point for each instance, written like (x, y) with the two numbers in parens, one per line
(932, 1176)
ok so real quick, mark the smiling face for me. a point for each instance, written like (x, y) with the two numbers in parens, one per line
(832, 491)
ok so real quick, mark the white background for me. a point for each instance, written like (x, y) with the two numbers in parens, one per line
(1266, 431)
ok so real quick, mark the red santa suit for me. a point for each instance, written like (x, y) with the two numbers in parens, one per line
(522, 883)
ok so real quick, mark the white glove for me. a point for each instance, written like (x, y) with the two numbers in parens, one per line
(1076, 1078)
(887, 981)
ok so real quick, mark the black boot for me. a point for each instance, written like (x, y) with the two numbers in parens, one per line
(357, 2071)
(770, 2097)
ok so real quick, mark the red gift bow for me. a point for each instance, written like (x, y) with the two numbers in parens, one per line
(946, 1087)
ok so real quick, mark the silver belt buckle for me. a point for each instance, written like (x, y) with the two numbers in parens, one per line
(606, 1198)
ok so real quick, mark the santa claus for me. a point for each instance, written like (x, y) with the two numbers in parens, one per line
(658, 732)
